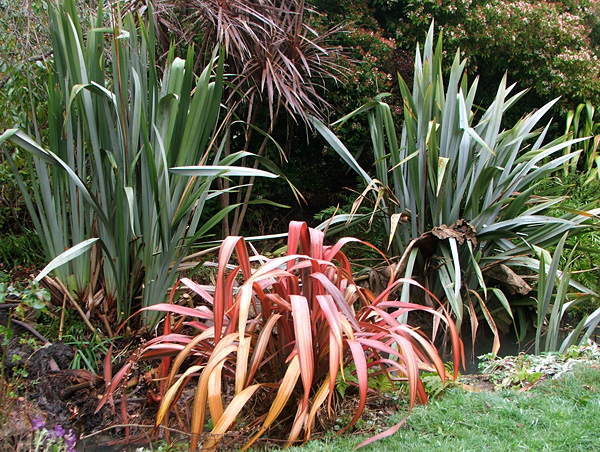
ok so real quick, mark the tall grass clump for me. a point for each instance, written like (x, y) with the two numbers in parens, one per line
(129, 164)
(455, 188)
(580, 123)
(555, 301)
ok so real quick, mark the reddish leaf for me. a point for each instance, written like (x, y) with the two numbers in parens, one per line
(304, 343)
(339, 299)
(181, 310)
(361, 373)
(185, 353)
(198, 289)
(390, 431)
(261, 345)
(112, 386)
(221, 294)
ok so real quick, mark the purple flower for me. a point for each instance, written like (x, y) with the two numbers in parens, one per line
(70, 441)
(37, 423)
(58, 431)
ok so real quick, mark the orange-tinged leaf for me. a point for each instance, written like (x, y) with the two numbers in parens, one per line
(222, 350)
(430, 350)
(215, 401)
(169, 396)
(320, 397)
(184, 354)
(244, 300)
(406, 353)
(336, 364)
(347, 328)
(298, 424)
(351, 294)
(283, 395)
(241, 366)
(335, 340)
(229, 416)
(261, 345)
(304, 342)
(221, 292)
(412, 367)
(458, 352)
(423, 343)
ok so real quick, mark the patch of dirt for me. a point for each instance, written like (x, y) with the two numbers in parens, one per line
(476, 383)
(50, 390)
(70, 398)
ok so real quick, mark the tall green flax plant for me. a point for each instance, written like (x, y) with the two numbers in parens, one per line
(456, 191)
(554, 302)
(129, 163)
(580, 123)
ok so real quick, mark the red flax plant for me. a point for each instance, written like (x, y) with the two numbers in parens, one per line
(282, 336)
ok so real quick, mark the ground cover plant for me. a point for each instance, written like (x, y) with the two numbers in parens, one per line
(281, 333)
(525, 370)
(455, 189)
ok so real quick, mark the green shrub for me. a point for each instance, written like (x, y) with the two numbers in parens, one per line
(455, 190)
(21, 250)
(129, 161)
(551, 47)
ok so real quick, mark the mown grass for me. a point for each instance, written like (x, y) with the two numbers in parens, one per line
(560, 415)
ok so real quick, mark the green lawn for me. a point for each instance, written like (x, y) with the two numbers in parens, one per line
(556, 415)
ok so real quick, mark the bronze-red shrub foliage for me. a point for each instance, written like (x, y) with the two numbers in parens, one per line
(279, 331)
